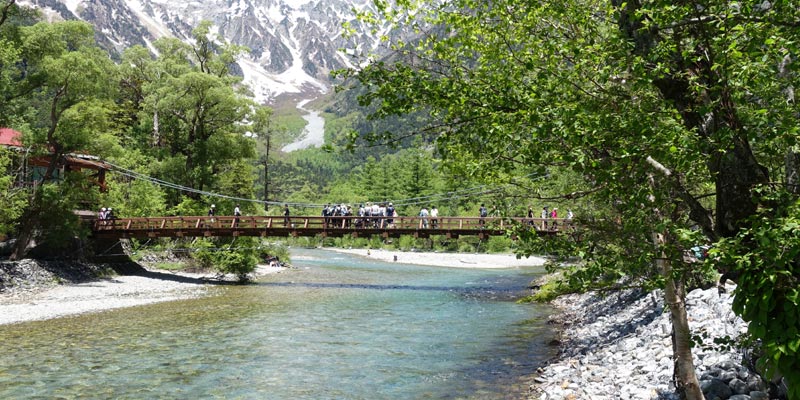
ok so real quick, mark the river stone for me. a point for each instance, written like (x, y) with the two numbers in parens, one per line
(727, 365)
(756, 384)
(739, 397)
(649, 368)
(739, 386)
(728, 376)
(715, 388)
(628, 335)
(643, 354)
(744, 374)
(594, 378)
(575, 385)
(710, 374)
(758, 395)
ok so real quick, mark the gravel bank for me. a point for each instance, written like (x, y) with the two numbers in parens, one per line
(619, 347)
(31, 290)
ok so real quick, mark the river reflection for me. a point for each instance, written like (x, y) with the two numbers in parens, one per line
(337, 327)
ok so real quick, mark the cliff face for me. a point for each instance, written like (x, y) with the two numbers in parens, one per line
(294, 44)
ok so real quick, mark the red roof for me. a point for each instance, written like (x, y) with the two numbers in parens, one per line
(9, 137)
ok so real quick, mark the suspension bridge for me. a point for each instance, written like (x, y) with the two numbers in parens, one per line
(309, 226)
(294, 226)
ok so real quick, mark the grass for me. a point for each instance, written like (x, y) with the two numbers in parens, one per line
(550, 287)
(171, 266)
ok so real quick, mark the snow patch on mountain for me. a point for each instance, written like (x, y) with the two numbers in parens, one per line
(152, 23)
(295, 44)
(72, 5)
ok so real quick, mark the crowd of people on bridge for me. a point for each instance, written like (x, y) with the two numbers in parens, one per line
(370, 215)
(548, 214)
(106, 216)
(381, 215)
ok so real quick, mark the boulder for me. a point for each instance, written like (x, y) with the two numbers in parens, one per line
(715, 388)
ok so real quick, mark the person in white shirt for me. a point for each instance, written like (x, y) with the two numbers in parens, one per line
(382, 213)
(376, 213)
(424, 214)
(434, 217)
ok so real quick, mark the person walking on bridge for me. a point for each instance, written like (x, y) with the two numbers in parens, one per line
(390, 214)
(286, 220)
(103, 216)
(423, 213)
(545, 215)
(326, 216)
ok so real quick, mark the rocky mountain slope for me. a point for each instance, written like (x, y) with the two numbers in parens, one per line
(294, 43)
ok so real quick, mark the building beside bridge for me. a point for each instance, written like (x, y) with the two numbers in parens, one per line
(29, 169)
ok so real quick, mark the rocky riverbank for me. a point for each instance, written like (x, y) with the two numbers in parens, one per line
(35, 290)
(28, 276)
(619, 347)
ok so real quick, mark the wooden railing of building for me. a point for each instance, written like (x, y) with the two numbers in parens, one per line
(202, 226)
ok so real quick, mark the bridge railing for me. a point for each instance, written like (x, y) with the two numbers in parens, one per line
(322, 224)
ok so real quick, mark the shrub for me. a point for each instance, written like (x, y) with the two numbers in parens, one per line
(498, 244)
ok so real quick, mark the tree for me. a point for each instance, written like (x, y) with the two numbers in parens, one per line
(418, 175)
(237, 256)
(188, 112)
(131, 197)
(676, 116)
(12, 19)
(66, 83)
(12, 199)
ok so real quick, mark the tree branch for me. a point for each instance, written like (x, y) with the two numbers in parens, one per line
(697, 212)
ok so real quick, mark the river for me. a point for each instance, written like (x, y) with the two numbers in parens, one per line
(335, 327)
(313, 134)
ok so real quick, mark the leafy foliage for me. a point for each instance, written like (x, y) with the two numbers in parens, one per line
(237, 257)
(765, 258)
(12, 199)
(671, 115)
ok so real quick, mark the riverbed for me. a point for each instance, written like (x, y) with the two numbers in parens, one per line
(336, 326)
(313, 134)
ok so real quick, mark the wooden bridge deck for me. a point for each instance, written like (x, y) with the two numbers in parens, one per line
(202, 226)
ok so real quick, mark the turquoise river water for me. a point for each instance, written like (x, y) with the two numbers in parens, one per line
(335, 327)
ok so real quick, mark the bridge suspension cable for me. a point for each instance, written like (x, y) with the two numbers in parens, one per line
(455, 194)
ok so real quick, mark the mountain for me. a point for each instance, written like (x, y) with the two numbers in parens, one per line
(294, 43)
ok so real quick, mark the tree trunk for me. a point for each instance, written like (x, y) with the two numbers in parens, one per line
(30, 221)
(684, 375)
(736, 171)
(793, 172)
(156, 130)
(32, 216)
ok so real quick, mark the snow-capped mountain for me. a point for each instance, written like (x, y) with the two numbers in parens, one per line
(294, 43)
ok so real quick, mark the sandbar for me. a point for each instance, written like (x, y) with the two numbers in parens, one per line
(451, 260)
